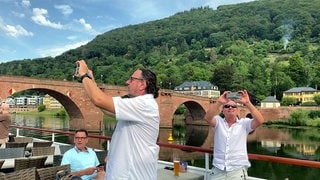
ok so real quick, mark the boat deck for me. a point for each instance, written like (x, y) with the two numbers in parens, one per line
(164, 172)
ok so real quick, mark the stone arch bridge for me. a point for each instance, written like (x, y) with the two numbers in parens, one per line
(83, 114)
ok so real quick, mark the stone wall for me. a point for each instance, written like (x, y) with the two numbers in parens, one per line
(281, 113)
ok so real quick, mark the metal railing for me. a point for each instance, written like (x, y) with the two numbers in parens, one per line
(206, 151)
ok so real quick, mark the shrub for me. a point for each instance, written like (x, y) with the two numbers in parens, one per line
(314, 114)
(298, 118)
(41, 108)
(309, 104)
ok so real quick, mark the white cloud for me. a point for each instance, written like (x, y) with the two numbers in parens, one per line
(26, 3)
(215, 3)
(14, 31)
(17, 14)
(55, 51)
(65, 9)
(84, 26)
(72, 37)
(39, 17)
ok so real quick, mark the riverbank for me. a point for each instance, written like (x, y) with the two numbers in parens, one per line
(47, 112)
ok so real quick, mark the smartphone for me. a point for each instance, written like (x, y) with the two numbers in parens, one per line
(101, 164)
(77, 69)
(234, 96)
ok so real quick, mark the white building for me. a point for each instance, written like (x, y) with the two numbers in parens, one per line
(198, 88)
(270, 102)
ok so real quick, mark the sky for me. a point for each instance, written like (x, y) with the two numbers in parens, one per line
(32, 29)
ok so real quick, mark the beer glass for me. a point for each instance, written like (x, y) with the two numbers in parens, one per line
(176, 166)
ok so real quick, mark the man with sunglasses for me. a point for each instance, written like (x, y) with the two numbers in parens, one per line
(133, 152)
(230, 156)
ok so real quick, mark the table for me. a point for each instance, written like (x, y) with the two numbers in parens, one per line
(164, 174)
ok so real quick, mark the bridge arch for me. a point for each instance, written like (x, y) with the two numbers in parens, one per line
(67, 102)
(196, 127)
(82, 113)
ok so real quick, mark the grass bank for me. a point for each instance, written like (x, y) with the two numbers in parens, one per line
(47, 112)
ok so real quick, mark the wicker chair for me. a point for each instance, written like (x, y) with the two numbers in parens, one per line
(101, 155)
(7, 153)
(24, 163)
(23, 139)
(50, 172)
(42, 143)
(57, 159)
(64, 148)
(37, 161)
(16, 144)
(41, 151)
(23, 174)
(21, 163)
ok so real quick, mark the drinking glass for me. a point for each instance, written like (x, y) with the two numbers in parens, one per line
(176, 166)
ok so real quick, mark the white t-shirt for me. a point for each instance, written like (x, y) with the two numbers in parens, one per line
(133, 152)
(230, 144)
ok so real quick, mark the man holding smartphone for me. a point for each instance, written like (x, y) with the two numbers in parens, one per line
(230, 140)
(133, 152)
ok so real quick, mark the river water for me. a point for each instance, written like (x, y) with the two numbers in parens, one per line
(283, 142)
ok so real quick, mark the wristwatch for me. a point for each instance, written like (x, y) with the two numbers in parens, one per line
(86, 75)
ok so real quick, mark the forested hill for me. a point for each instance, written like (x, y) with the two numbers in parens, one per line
(265, 46)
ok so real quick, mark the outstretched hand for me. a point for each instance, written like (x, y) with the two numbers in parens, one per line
(82, 68)
(244, 97)
(223, 98)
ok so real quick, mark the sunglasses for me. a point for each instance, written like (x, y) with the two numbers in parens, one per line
(230, 106)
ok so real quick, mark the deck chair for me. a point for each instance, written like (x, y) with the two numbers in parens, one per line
(57, 159)
(7, 153)
(21, 163)
(42, 143)
(37, 161)
(23, 139)
(41, 151)
(23, 174)
(64, 148)
(50, 172)
(101, 155)
(16, 144)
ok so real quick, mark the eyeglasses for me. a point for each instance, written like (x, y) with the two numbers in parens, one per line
(80, 138)
(134, 78)
(230, 106)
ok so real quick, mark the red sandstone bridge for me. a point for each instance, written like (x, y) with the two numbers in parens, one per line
(83, 114)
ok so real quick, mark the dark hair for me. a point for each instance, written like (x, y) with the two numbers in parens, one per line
(151, 79)
(82, 130)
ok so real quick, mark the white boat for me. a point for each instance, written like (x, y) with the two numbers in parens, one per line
(164, 167)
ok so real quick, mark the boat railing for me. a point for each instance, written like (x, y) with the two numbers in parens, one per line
(206, 151)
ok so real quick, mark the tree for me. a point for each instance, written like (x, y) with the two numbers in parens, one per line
(223, 77)
(287, 101)
(317, 99)
(296, 70)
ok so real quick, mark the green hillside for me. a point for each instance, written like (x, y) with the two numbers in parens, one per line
(265, 46)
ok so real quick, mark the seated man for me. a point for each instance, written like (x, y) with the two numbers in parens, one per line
(83, 160)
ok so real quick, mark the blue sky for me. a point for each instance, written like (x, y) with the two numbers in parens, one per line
(39, 28)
